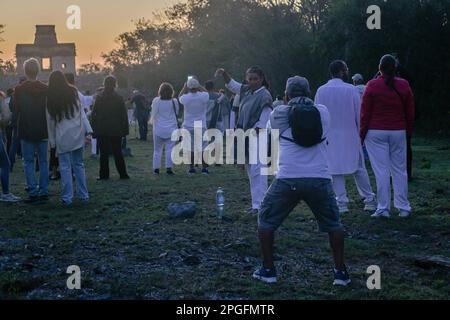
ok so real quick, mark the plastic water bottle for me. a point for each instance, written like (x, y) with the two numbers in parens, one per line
(220, 202)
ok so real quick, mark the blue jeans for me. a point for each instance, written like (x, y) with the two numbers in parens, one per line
(4, 166)
(68, 162)
(29, 150)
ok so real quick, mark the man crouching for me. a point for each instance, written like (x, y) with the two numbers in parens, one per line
(303, 174)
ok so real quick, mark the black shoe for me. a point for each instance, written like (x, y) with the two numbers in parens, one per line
(127, 177)
(170, 172)
(341, 278)
(156, 172)
(205, 172)
(266, 275)
(32, 200)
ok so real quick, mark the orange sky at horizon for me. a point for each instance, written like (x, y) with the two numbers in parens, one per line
(101, 22)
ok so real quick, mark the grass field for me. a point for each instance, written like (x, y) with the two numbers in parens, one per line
(128, 248)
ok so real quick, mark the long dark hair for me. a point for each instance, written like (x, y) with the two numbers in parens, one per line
(388, 67)
(257, 70)
(62, 97)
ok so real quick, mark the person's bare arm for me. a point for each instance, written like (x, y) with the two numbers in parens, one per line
(183, 91)
(226, 77)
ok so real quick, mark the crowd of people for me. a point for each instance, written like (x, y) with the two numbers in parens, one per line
(322, 140)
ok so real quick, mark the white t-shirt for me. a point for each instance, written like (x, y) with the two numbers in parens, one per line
(195, 107)
(163, 117)
(298, 162)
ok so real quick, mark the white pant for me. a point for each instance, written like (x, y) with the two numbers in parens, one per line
(362, 181)
(258, 184)
(158, 145)
(232, 120)
(387, 152)
(94, 146)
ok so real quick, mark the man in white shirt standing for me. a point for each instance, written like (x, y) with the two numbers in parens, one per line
(345, 153)
(195, 100)
(358, 82)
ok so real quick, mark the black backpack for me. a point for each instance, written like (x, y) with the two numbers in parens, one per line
(306, 124)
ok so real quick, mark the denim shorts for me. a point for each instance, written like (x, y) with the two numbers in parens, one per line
(285, 194)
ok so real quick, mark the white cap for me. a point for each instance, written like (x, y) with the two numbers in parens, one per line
(358, 77)
(193, 83)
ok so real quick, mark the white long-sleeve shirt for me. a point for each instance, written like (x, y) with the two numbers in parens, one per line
(195, 108)
(163, 118)
(68, 135)
(343, 101)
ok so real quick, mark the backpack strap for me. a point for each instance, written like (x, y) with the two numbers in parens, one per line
(175, 112)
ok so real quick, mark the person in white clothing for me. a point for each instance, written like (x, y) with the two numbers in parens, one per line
(164, 118)
(387, 120)
(255, 106)
(358, 82)
(195, 100)
(68, 128)
(303, 175)
(345, 153)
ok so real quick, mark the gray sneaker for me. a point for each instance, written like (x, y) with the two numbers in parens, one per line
(381, 214)
(371, 206)
(404, 214)
(9, 198)
(343, 208)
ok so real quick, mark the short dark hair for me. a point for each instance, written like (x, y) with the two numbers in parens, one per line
(166, 91)
(337, 66)
(110, 83)
(209, 85)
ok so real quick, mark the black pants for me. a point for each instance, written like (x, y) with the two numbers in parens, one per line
(9, 137)
(409, 157)
(112, 145)
(143, 126)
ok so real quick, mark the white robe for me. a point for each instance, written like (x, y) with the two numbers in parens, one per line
(343, 101)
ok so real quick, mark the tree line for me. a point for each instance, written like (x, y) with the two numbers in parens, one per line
(287, 37)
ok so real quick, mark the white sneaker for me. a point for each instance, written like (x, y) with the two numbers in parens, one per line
(381, 214)
(371, 206)
(9, 198)
(404, 214)
(343, 208)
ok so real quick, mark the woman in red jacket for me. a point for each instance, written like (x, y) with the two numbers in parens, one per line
(387, 119)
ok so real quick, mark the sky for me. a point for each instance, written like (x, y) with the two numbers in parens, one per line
(101, 22)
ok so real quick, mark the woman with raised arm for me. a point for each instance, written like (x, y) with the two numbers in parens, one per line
(255, 106)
